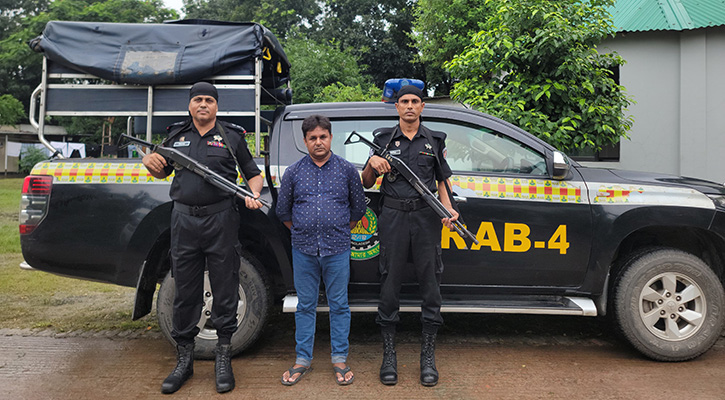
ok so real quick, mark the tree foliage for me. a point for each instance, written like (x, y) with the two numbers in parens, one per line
(377, 32)
(337, 92)
(13, 11)
(20, 67)
(535, 64)
(282, 17)
(442, 30)
(29, 157)
(317, 65)
(90, 129)
(11, 110)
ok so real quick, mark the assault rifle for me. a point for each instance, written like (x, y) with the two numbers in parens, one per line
(417, 184)
(181, 160)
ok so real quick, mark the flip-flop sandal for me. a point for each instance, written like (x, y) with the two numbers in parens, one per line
(343, 372)
(299, 370)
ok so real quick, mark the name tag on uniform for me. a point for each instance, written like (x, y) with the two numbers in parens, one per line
(182, 144)
(395, 152)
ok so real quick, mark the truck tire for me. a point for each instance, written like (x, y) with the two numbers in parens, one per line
(252, 312)
(669, 304)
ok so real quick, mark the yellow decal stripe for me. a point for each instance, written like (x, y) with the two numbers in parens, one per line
(101, 172)
(516, 188)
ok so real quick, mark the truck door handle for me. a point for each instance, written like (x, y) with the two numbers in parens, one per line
(460, 199)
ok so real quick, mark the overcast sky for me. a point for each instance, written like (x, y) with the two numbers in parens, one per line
(175, 4)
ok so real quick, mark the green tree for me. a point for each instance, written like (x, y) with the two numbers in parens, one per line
(13, 11)
(30, 157)
(443, 29)
(535, 64)
(20, 67)
(90, 129)
(338, 92)
(11, 110)
(316, 65)
(377, 32)
(282, 17)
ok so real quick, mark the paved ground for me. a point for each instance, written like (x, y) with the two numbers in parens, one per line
(491, 357)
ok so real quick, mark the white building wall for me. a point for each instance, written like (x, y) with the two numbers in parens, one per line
(715, 104)
(678, 82)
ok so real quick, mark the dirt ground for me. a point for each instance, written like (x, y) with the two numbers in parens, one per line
(479, 357)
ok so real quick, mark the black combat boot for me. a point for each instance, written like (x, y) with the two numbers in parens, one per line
(428, 371)
(389, 368)
(223, 368)
(183, 371)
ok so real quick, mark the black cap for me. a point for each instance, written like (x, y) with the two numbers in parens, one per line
(410, 89)
(203, 89)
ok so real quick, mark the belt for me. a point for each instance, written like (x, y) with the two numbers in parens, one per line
(203, 211)
(404, 204)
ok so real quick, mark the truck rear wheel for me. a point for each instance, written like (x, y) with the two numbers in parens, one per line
(669, 304)
(252, 311)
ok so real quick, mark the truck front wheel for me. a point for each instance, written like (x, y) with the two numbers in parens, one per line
(669, 304)
(252, 311)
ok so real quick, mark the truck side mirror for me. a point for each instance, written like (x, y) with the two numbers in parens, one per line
(561, 165)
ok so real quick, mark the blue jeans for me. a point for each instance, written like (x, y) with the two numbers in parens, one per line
(335, 273)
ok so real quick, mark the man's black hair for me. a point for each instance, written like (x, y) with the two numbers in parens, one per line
(315, 121)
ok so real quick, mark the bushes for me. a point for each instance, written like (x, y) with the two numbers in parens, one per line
(30, 157)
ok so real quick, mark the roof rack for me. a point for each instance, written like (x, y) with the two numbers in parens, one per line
(140, 81)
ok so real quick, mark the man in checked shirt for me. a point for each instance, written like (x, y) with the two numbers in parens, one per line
(320, 200)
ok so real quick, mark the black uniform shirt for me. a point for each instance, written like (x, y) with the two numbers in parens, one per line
(419, 155)
(211, 150)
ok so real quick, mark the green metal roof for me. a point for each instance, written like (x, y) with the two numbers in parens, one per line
(667, 15)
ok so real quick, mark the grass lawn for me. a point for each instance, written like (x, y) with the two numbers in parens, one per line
(35, 299)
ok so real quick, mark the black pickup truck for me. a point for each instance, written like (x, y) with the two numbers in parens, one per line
(647, 250)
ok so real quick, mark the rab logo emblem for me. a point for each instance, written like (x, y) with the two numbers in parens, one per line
(364, 237)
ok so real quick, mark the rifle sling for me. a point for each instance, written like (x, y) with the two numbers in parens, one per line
(223, 134)
(439, 169)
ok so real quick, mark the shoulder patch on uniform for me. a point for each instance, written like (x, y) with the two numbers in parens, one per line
(238, 128)
(174, 125)
(382, 131)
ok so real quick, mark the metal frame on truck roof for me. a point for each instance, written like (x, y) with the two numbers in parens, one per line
(145, 70)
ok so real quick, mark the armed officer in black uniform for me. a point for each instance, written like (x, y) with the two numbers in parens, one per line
(204, 230)
(409, 229)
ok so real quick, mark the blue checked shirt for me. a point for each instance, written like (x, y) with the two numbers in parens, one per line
(321, 202)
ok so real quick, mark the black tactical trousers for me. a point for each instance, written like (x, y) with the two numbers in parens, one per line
(416, 236)
(197, 242)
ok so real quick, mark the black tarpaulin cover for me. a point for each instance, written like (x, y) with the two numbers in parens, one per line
(152, 54)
